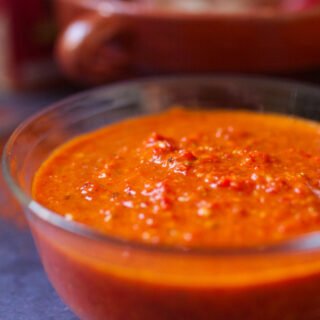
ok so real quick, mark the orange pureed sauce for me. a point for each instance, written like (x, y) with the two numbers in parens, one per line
(190, 178)
(185, 179)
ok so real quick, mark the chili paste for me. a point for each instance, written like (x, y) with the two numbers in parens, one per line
(190, 178)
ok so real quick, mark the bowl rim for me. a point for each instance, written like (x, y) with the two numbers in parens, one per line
(299, 244)
(140, 9)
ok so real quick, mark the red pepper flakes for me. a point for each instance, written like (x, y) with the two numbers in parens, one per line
(191, 178)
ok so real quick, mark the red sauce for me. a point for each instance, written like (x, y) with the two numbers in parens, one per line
(190, 178)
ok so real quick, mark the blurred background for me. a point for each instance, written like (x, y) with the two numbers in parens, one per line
(51, 49)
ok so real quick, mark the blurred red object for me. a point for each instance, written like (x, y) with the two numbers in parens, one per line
(27, 33)
(103, 40)
(299, 4)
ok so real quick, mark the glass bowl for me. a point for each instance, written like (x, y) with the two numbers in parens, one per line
(103, 277)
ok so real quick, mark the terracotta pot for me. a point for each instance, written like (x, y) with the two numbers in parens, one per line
(105, 40)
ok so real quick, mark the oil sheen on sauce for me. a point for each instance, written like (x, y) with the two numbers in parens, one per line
(190, 178)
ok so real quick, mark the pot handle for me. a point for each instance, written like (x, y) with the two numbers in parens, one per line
(88, 52)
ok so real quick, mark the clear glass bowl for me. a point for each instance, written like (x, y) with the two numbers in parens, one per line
(101, 277)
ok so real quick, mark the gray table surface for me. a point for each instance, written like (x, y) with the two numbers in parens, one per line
(25, 292)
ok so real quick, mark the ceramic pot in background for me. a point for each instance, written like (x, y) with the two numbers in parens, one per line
(103, 40)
